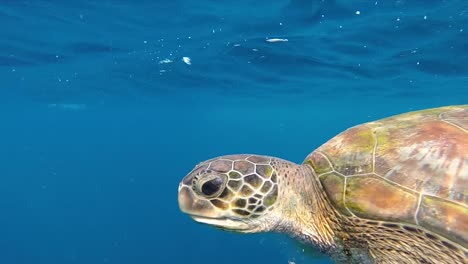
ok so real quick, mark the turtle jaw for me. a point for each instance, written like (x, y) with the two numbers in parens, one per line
(223, 223)
(202, 211)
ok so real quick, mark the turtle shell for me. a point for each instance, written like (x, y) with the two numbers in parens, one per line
(410, 169)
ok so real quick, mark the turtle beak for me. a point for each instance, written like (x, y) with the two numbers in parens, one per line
(190, 204)
(202, 211)
(222, 223)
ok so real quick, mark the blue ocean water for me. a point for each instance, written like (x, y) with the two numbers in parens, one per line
(101, 117)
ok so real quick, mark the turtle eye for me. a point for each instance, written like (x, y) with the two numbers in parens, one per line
(211, 187)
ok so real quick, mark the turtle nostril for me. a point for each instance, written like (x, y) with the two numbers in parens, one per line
(211, 187)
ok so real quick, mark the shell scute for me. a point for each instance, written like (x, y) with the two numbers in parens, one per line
(428, 157)
(372, 197)
(441, 216)
(335, 190)
(409, 168)
(458, 117)
(348, 153)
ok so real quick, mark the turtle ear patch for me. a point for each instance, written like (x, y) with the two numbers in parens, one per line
(270, 199)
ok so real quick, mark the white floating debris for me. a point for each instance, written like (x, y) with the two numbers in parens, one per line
(165, 61)
(187, 60)
(276, 40)
(75, 107)
(358, 12)
(425, 17)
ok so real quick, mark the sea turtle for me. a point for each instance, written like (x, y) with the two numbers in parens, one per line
(389, 191)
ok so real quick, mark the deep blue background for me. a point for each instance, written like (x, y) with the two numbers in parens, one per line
(96, 132)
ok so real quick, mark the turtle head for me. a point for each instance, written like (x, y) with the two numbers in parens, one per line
(236, 193)
(250, 193)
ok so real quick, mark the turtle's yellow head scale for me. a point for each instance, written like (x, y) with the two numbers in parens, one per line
(236, 192)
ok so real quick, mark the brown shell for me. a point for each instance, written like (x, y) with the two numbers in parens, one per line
(410, 168)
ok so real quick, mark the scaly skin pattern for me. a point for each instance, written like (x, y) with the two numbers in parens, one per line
(389, 191)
